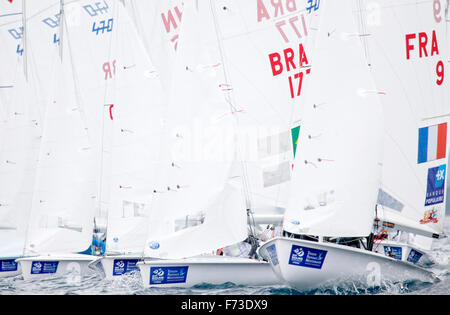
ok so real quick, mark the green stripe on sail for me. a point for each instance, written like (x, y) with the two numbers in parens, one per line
(295, 133)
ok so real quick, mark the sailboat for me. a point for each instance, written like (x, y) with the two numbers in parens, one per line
(132, 133)
(338, 170)
(22, 124)
(229, 47)
(411, 74)
(65, 187)
(17, 160)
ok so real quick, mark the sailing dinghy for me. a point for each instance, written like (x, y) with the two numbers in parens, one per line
(239, 43)
(408, 66)
(25, 38)
(132, 133)
(20, 140)
(337, 171)
(62, 211)
(199, 205)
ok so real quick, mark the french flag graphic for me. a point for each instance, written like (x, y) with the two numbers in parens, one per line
(432, 143)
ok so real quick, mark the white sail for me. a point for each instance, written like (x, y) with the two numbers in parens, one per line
(23, 123)
(158, 22)
(266, 51)
(337, 170)
(90, 27)
(11, 33)
(134, 127)
(408, 50)
(61, 219)
(19, 151)
(197, 207)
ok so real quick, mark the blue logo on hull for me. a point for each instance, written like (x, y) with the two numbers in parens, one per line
(44, 267)
(307, 257)
(168, 275)
(393, 251)
(123, 266)
(8, 265)
(414, 256)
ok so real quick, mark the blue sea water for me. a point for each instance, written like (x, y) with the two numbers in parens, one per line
(95, 284)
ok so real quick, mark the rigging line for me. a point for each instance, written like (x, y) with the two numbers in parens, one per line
(229, 95)
(360, 15)
(436, 117)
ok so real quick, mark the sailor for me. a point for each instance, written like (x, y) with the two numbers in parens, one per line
(97, 247)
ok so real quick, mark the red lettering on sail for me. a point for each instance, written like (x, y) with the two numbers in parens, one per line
(107, 69)
(276, 61)
(409, 46)
(169, 19)
(287, 61)
(425, 47)
(274, 9)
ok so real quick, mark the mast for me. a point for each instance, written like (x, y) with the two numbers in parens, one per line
(24, 39)
(61, 28)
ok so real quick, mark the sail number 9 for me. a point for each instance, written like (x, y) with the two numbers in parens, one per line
(440, 72)
(437, 10)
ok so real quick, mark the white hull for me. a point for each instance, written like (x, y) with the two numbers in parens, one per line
(214, 270)
(9, 268)
(55, 265)
(306, 265)
(116, 266)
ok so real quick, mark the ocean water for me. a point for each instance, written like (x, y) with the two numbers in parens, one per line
(95, 284)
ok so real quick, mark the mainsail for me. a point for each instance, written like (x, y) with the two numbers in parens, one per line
(408, 57)
(64, 193)
(158, 23)
(132, 136)
(266, 48)
(22, 123)
(337, 168)
(198, 207)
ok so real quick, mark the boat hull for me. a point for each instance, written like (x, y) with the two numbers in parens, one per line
(56, 265)
(306, 265)
(9, 267)
(116, 266)
(213, 270)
